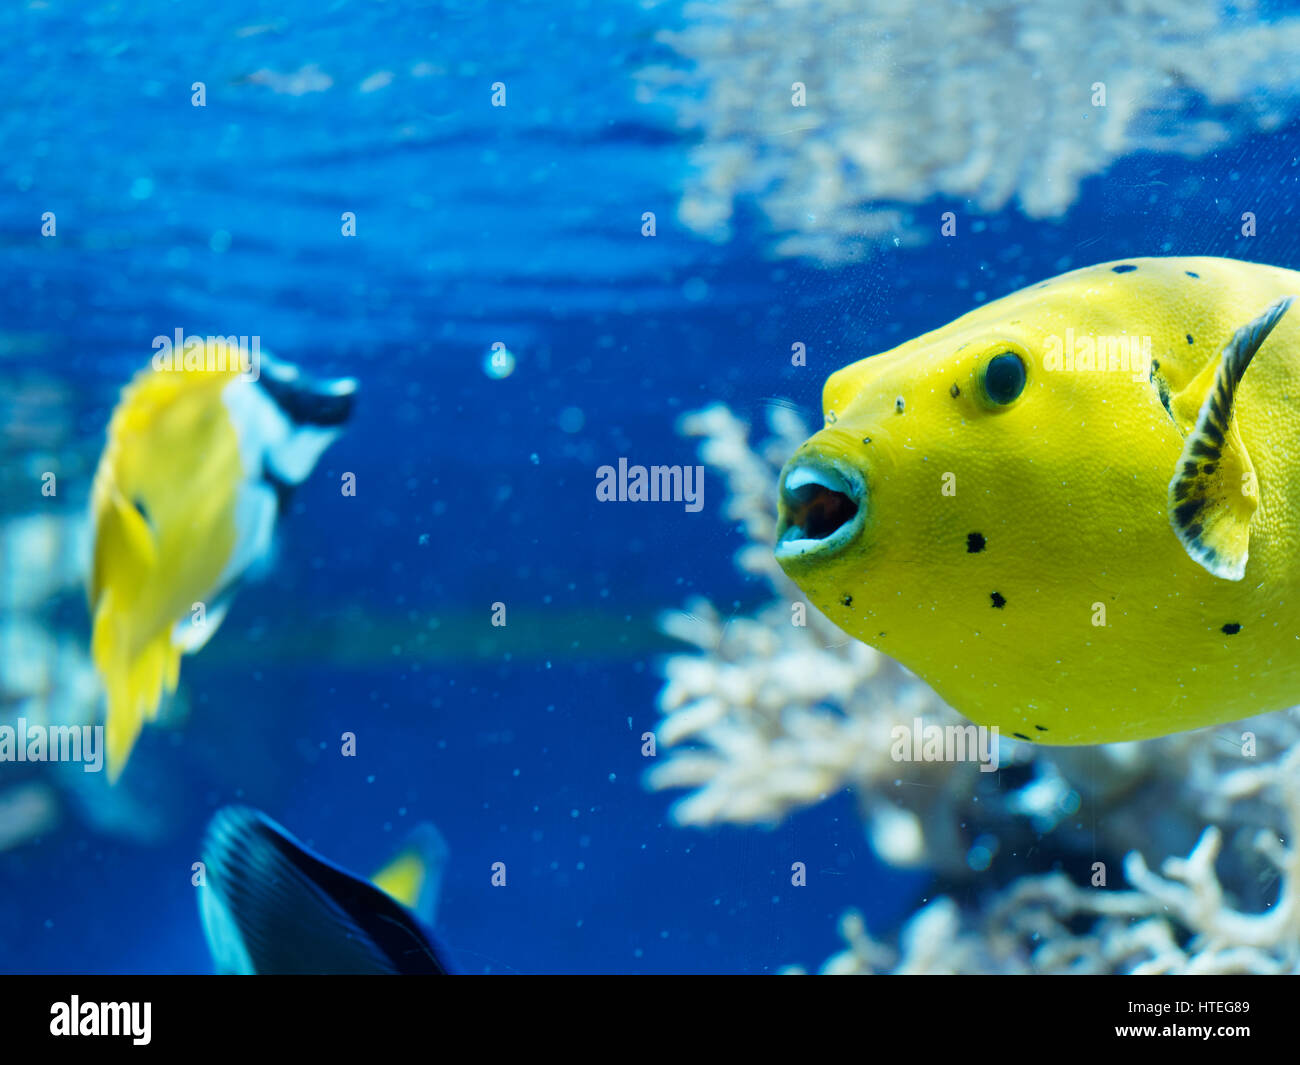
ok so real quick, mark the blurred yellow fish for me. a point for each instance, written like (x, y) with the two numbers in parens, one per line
(198, 464)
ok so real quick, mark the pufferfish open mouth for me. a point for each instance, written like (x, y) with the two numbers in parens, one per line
(821, 509)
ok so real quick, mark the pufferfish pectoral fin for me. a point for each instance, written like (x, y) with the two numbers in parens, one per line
(1213, 493)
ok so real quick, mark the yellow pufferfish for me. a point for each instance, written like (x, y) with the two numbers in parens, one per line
(1074, 511)
(197, 466)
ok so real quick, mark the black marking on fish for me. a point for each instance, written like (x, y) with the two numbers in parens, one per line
(144, 513)
(306, 400)
(898, 404)
(846, 600)
(1022, 736)
(1162, 387)
(974, 543)
(866, 439)
(1189, 339)
(1190, 274)
(1041, 728)
(999, 601)
(1231, 629)
(1125, 268)
(954, 391)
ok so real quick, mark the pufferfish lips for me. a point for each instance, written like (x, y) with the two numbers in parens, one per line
(821, 509)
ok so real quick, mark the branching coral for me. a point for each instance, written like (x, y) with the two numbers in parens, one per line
(783, 707)
(767, 715)
(1027, 927)
(986, 102)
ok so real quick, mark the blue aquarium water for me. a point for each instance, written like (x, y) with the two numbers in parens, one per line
(449, 202)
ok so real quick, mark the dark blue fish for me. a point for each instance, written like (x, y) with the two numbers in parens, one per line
(271, 906)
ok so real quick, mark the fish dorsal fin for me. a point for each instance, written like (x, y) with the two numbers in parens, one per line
(1213, 493)
(413, 876)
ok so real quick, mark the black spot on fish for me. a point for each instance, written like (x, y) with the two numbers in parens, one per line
(1041, 728)
(974, 543)
(140, 509)
(866, 439)
(1124, 268)
(998, 600)
(898, 404)
(1194, 531)
(1185, 512)
(1231, 629)
(1190, 274)
(1210, 467)
(954, 391)
(1021, 736)
(846, 600)
(303, 399)
(1189, 339)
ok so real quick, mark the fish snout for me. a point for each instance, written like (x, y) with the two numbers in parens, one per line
(821, 509)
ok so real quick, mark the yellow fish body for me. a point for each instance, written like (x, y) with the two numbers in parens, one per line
(192, 477)
(1075, 512)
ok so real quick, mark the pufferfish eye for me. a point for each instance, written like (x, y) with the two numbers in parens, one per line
(1004, 378)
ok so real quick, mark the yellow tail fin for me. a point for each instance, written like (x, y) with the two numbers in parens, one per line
(134, 684)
